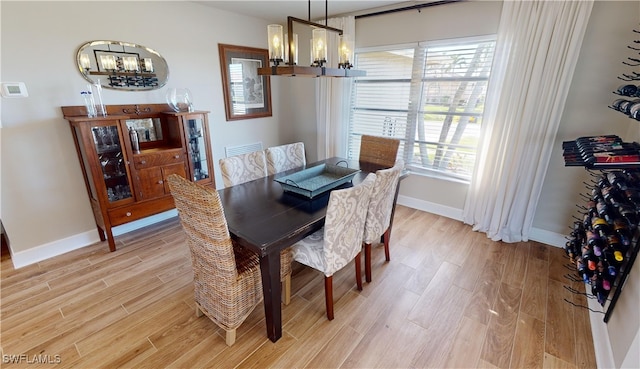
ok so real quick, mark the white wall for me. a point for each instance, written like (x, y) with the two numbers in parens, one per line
(43, 194)
(298, 110)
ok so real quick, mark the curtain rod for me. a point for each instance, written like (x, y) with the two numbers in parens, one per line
(412, 7)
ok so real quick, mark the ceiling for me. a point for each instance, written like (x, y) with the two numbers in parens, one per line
(277, 11)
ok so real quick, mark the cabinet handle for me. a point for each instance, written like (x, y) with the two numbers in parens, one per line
(128, 213)
(177, 156)
(143, 162)
(160, 182)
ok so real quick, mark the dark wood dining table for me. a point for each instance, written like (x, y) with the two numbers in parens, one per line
(265, 219)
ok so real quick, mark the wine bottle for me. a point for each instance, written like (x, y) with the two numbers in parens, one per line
(600, 226)
(583, 271)
(589, 258)
(622, 231)
(603, 211)
(135, 142)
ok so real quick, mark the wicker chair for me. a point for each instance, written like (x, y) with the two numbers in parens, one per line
(378, 224)
(285, 157)
(227, 280)
(340, 240)
(381, 151)
(243, 168)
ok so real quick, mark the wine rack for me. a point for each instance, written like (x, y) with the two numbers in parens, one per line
(629, 103)
(605, 239)
(601, 152)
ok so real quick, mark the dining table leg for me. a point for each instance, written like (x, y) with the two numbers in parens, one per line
(270, 270)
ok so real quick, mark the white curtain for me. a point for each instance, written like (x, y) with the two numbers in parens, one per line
(332, 97)
(537, 49)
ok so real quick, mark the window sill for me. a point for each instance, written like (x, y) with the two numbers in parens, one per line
(414, 170)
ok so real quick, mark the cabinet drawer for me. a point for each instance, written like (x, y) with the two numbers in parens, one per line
(140, 210)
(158, 158)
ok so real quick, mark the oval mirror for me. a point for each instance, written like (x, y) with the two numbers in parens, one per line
(122, 65)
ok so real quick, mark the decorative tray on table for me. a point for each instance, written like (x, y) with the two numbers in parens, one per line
(313, 181)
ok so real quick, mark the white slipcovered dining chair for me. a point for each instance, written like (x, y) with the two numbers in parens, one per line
(243, 168)
(285, 157)
(340, 240)
(378, 224)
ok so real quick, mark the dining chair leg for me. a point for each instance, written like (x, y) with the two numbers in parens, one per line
(359, 271)
(286, 290)
(230, 337)
(328, 295)
(387, 235)
(199, 312)
(367, 262)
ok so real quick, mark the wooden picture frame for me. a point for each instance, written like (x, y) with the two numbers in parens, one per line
(246, 94)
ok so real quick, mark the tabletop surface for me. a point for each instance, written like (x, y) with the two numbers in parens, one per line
(263, 217)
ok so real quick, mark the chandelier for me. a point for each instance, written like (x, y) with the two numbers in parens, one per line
(283, 56)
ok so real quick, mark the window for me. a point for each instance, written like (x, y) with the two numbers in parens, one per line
(430, 96)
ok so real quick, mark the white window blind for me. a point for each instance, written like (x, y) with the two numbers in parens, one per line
(430, 96)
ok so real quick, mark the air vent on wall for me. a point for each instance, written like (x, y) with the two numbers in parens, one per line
(242, 149)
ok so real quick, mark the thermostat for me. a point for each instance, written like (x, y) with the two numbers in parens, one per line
(14, 89)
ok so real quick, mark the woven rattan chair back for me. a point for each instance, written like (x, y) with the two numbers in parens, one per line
(243, 168)
(227, 280)
(380, 151)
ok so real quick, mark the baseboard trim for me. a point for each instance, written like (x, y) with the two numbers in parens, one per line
(430, 207)
(600, 335)
(39, 253)
(538, 235)
(547, 237)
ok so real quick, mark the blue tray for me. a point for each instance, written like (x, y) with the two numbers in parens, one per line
(313, 181)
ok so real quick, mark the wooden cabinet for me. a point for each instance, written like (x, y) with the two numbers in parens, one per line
(125, 184)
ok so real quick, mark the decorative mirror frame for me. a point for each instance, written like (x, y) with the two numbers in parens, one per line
(133, 67)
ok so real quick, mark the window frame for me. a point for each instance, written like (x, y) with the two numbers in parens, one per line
(410, 128)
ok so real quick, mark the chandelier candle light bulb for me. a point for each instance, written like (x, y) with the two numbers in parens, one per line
(294, 49)
(85, 62)
(108, 62)
(148, 65)
(346, 52)
(130, 63)
(276, 44)
(319, 46)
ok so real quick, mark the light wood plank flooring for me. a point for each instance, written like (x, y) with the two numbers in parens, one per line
(449, 298)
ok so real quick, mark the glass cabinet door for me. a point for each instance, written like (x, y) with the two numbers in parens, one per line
(110, 156)
(196, 147)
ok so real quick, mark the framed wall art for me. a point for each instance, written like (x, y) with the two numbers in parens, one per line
(246, 94)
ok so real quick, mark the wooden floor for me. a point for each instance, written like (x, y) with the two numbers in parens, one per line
(449, 298)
